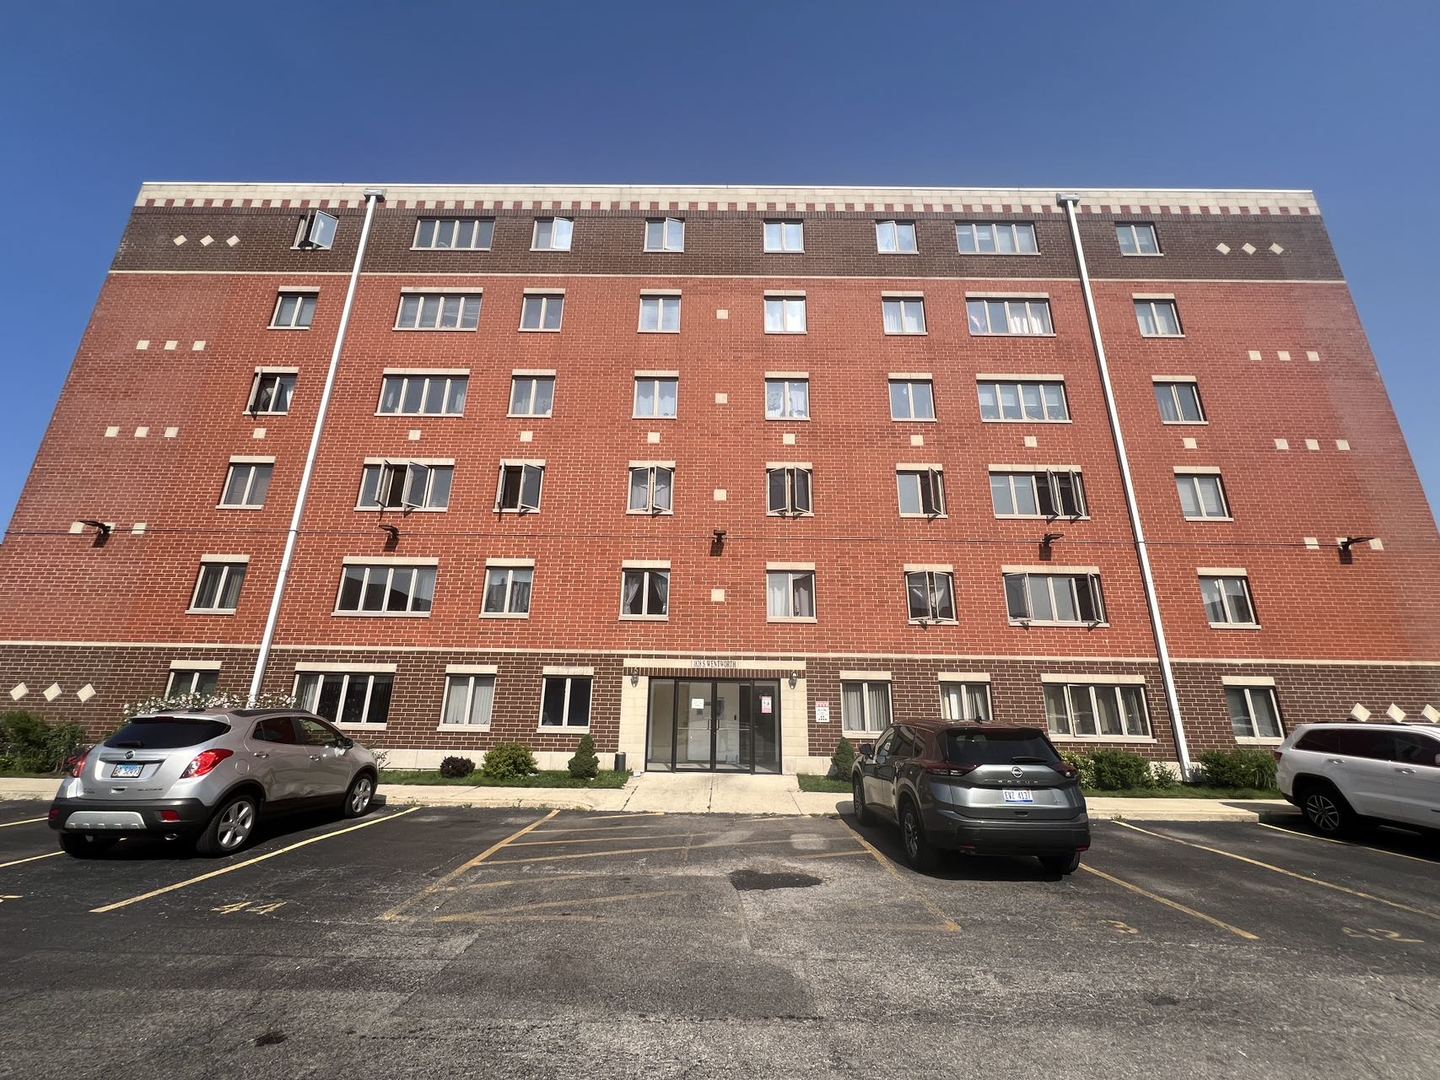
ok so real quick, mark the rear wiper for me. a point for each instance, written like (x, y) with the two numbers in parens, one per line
(127, 742)
(1023, 760)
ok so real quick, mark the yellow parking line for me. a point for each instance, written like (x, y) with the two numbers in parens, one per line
(635, 814)
(836, 855)
(520, 909)
(599, 829)
(598, 839)
(32, 858)
(27, 821)
(647, 850)
(1349, 844)
(1167, 902)
(436, 886)
(248, 862)
(1288, 873)
(946, 923)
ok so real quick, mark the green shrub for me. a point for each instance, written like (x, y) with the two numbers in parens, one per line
(509, 761)
(29, 744)
(1162, 777)
(456, 767)
(1119, 770)
(1082, 765)
(585, 765)
(1240, 768)
(842, 761)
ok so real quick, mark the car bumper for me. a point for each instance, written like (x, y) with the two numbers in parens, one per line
(990, 836)
(139, 816)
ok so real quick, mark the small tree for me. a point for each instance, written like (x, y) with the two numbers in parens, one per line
(509, 761)
(585, 765)
(456, 767)
(843, 760)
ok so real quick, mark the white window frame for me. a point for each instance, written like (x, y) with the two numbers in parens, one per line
(910, 383)
(1094, 690)
(791, 508)
(1227, 604)
(1015, 228)
(1254, 737)
(464, 683)
(472, 302)
(192, 674)
(667, 242)
(346, 677)
(965, 688)
(300, 296)
(1172, 388)
(450, 378)
(1132, 228)
(228, 566)
(1031, 310)
(782, 225)
(901, 228)
(417, 485)
(792, 574)
(651, 509)
(527, 468)
(543, 302)
(1154, 304)
(784, 305)
(534, 378)
(371, 570)
(868, 725)
(1051, 486)
(662, 302)
(508, 568)
(930, 576)
(787, 414)
(254, 464)
(1182, 477)
(1054, 579)
(278, 375)
(644, 572)
(905, 304)
(1000, 385)
(565, 724)
(568, 230)
(928, 480)
(316, 231)
(655, 398)
(453, 224)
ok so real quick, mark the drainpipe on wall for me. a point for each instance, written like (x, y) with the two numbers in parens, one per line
(1152, 601)
(372, 196)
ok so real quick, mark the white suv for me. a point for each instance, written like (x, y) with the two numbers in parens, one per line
(1341, 775)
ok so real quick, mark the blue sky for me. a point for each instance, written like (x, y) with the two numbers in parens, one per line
(1337, 97)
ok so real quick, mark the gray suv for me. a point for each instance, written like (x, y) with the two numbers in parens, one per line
(976, 789)
(208, 775)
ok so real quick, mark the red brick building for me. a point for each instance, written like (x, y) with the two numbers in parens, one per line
(719, 474)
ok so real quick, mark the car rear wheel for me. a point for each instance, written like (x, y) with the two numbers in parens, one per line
(1061, 864)
(918, 852)
(357, 799)
(863, 816)
(83, 846)
(1327, 811)
(231, 827)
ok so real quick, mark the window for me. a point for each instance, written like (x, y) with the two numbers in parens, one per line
(416, 393)
(542, 312)
(931, 595)
(1061, 599)
(1253, 714)
(788, 488)
(785, 314)
(1137, 239)
(246, 484)
(864, 706)
(1227, 600)
(1080, 710)
(1202, 496)
(1025, 401)
(270, 393)
(1158, 318)
(438, 311)
(1014, 318)
(386, 589)
(996, 238)
(787, 399)
(645, 593)
(454, 234)
(191, 681)
(656, 397)
(565, 702)
(217, 589)
(784, 236)
(507, 590)
(532, 395)
(651, 489)
(519, 489)
(1179, 402)
(664, 234)
(659, 314)
(293, 311)
(349, 698)
(965, 702)
(469, 701)
(922, 492)
(895, 237)
(790, 594)
(903, 314)
(552, 234)
(1038, 495)
(912, 399)
(405, 485)
(316, 231)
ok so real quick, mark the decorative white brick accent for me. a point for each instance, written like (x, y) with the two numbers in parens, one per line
(138, 529)
(1312, 356)
(142, 345)
(1189, 443)
(206, 240)
(1256, 355)
(788, 439)
(1032, 442)
(179, 240)
(527, 436)
(85, 693)
(1342, 444)
(232, 241)
(722, 314)
(142, 432)
(171, 346)
(1277, 249)
(1312, 444)
(258, 433)
(1394, 712)
(717, 596)
(1359, 712)
(413, 434)
(1377, 544)
(1431, 713)
(172, 432)
(1248, 248)
(1282, 444)
(18, 691)
(112, 432)
(1283, 356)
(721, 495)
(1223, 249)
(722, 398)
(199, 346)
(52, 692)
(1313, 543)
(917, 440)
(652, 437)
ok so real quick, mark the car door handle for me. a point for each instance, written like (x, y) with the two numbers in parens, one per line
(314, 757)
(257, 753)
(1407, 772)
(1333, 761)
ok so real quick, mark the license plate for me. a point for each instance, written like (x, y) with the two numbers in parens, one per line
(127, 770)
(1018, 795)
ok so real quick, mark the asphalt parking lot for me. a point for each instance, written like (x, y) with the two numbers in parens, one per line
(526, 943)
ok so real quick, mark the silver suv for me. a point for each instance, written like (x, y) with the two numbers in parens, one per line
(1343, 775)
(208, 775)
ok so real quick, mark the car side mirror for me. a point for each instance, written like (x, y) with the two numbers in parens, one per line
(866, 749)
(344, 742)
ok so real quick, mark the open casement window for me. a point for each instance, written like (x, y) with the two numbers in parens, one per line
(656, 398)
(508, 589)
(419, 394)
(787, 399)
(1227, 601)
(532, 395)
(246, 484)
(1071, 599)
(1047, 495)
(191, 681)
(645, 594)
(1158, 318)
(347, 698)
(1253, 713)
(565, 702)
(651, 489)
(542, 312)
(1179, 403)
(439, 311)
(316, 231)
(454, 234)
(386, 589)
(469, 701)
(912, 399)
(895, 237)
(1137, 239)
(965, 702)
(1202, 496)
(781, 236)
(552, 234)
(520, 488)
(664, 234)
(270, 393)
(1014, 318)
(864, 706)
(406, 485)
(903, 314)
(931, 595)
(294, 311)
(1077, 710)
(788, 491)
(217, 589)
(996, 238)
(922, 493)
(1023, 401)
(790, 594)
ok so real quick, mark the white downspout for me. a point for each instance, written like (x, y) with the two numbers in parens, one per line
(372, 196)
(1167, 674)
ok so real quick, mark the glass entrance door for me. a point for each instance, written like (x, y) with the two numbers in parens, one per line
(714, 724)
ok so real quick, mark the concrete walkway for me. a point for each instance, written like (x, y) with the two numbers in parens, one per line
(721, 793)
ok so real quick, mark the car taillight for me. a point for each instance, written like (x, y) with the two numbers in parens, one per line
(202, 764)
(1277, 754)
(77, 764)
(1065, 769)
(944, 768)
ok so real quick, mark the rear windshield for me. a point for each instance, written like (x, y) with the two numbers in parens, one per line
(166, 733)
(998, 748)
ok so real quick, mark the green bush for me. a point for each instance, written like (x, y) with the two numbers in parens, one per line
(585, 765)
(1082, 765)
(1162, 777)
(509, 761)
(1241, 768)
(842, 761)
(457, 767)
(29, 744)
(1119, 770)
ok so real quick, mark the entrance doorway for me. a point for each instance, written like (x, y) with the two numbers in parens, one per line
(717, 725)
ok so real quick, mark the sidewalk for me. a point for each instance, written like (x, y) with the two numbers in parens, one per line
(721, 793)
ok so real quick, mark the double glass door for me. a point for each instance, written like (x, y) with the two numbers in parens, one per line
(714, 724)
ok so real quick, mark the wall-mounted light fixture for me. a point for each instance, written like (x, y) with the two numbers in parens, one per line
(102, 529)
(1346, 543)
(717, 542)
(1047, 542)
(794, 678)
(634, 679)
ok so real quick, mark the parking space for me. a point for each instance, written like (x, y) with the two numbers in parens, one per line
(700, 945)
